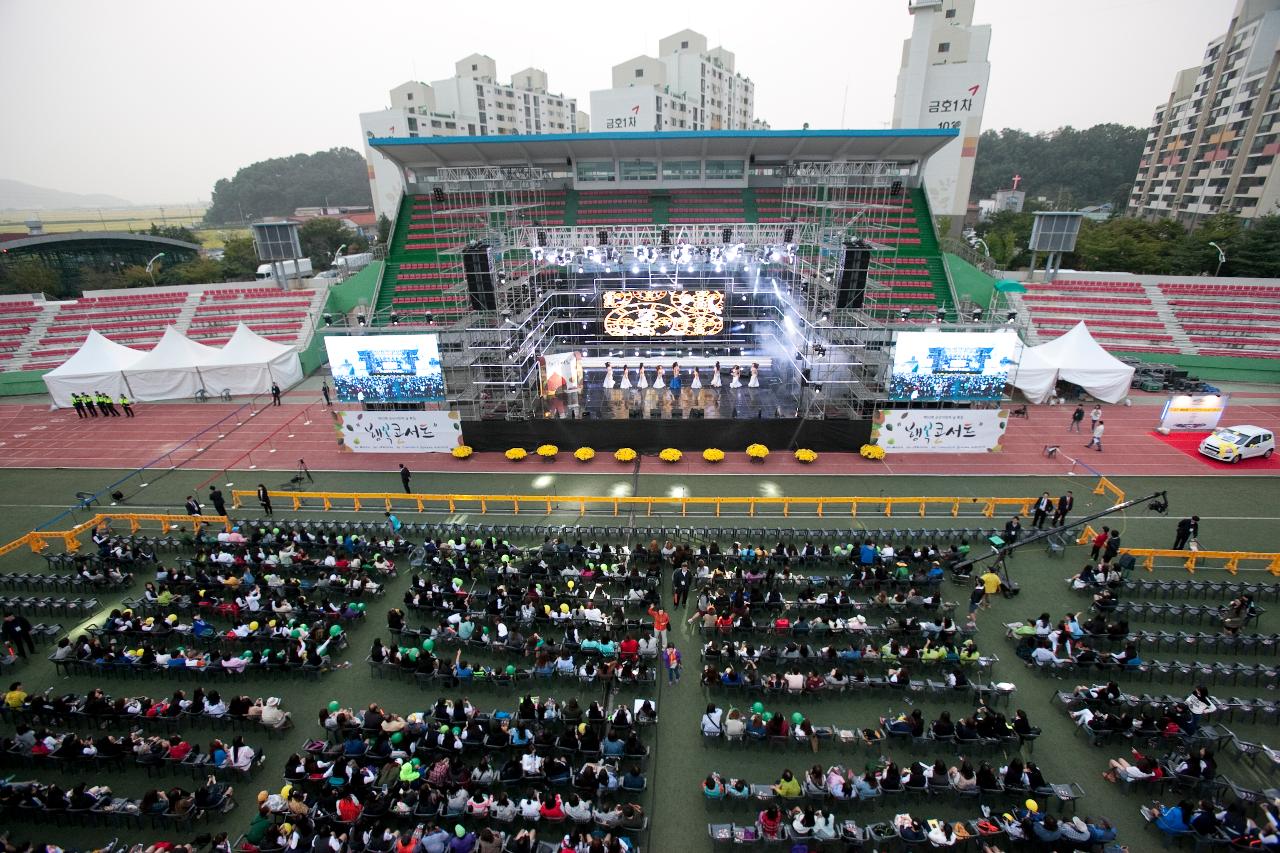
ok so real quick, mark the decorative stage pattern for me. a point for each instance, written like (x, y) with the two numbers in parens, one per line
(397, 432)
(663, 313)
(386, 368)
(967, 431)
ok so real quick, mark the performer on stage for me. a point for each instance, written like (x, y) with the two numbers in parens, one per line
(642, 381)
(658, 380)
(625, 385)
(608, 376)
(715, 376)
(737, 375)
(675, 378)
(755, 376)
(696, 384)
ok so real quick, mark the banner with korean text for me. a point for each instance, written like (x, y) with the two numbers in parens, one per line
(1197, 412)
(400, 432)
(951, 431)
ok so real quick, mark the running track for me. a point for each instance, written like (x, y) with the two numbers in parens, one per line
(274, 438)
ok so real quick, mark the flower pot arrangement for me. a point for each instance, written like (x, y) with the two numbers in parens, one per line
(872, 451)
(713, 455)
(757, 452)
(625, 454)
(670, 454)
(516, 454)
(584, 454)
(462, 451)
(806, 456)
(548, 452)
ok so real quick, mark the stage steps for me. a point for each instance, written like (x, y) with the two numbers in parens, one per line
(749, 210)
(396, 255)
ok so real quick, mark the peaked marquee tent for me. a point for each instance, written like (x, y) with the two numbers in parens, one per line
(177, 367)
(1072, 357)
(98, 365)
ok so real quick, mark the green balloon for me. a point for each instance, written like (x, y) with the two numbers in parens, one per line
(334, 706)
(295, 633)
(360, 606)
(397, 737)
(757, 708)
(335, 630)
(511, 669)
(428, 644)
(797, 718)
(767, 716)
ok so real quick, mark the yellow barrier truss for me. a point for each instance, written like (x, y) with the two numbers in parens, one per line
(514, 504)
(1192, 559)
(38, 540)
(1106, 486)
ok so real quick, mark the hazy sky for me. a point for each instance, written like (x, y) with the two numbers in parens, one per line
(154, 100)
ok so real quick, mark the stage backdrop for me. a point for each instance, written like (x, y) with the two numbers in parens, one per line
(954, 431)
(1199, 412)
(560, 372)
(400, 432)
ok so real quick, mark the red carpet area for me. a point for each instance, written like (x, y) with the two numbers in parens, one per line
(1189, 443)
(217, 436)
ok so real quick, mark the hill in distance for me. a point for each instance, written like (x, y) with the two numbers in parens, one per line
(16, 195)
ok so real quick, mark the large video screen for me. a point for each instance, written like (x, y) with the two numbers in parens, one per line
(663, 313)
(386, 368)
(953, 365)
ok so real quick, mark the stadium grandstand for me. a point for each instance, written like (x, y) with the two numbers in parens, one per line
(71, 253)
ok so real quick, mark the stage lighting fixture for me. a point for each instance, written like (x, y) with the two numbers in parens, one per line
(977, 314)
(429, 317)
(823, 318)
(502, 278)
(941, 316)
(579, 270)
(689, 268)
(395, 319)
(904, 313)
(328, 318)
(608, 268)
(774, 255)
(662, 268)
(726, 235)
(360, 318)
(1011, 316)
(635, 269)
(716, 254)
(719, 268)
(539, 253)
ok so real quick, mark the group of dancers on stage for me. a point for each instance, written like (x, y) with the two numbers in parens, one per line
(676, 383)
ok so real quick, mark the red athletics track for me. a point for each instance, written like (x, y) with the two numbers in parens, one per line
(276, 437)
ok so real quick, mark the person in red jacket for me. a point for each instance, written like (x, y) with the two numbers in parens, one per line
(629, 648)
(349, 809)
(1100, 542)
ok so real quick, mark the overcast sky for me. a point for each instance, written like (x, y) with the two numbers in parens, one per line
(154, 100)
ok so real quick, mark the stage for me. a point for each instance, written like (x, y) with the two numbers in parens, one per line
(773, 399)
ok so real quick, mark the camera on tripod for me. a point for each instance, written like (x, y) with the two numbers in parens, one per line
(1159, 505)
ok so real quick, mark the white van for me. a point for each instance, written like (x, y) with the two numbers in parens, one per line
(1231, 444)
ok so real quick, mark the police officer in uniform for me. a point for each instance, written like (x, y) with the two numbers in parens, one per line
(78, 405)
(124, 403)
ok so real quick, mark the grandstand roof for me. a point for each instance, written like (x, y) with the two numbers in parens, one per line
(52, 240)
(778, 146)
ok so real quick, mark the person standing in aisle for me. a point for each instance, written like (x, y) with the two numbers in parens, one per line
(219, 503)
(661, 623)
(1098, 429)
(264, 498)
(275, 394)
(1065, 504)
(405, 474)
(1188, 529)
(1076, 417)
(324, 390)
(671, 658)
(1043, 507)
(16, 628)
(680, 583)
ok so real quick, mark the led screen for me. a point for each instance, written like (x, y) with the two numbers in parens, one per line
(663, 313)
(386, 368)
(952, 365)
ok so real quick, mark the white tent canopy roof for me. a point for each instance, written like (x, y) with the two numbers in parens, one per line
(98, 354)
(1073, 357)
(174, 350)
(248, 347)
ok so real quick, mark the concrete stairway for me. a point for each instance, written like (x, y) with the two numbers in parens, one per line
(1165, 313)
(38, 329)
(187, 313)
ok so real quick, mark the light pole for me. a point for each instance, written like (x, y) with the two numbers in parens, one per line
(1222, 258)
(337, 253)
(150, 264)
(986, 250)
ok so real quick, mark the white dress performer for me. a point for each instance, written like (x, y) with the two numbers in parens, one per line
(737, 374)
(658, 380)
(715, 376)
(608, 376)
(755, 376)
(625, 384)
(696, 384)
(642, 381)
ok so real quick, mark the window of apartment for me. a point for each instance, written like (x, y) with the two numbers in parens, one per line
(480, 90)
(681, 170)
(595, 170)
(475, 67)
(451, 125)
(951, 13)
(413, 123)
(471, 130)
(484, 119)
(639, 72)
(484, 131)
(944, 47)
(436, 123)
(408, 96)
(684, 45)
(639, 170)
(725, 170)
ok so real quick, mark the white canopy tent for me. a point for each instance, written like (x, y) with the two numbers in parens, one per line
(98, 365)
(1072, 357)
(249, 363)
(171, 369)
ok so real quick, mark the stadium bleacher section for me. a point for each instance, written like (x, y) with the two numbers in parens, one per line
(419, 280)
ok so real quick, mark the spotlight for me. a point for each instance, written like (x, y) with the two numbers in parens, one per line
(941, 316)
(395, 319)
(1011, 316)
(823, 318)
(429, 317)
(539, 253)
(635, 269)
(328, 318)
(662, 268)
(579, 270)
(360, 318)
(904, 314)
(977, 314)
(608, 268)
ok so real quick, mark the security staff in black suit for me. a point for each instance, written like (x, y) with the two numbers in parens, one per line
(1065, 503)
(1188, 529)
(1043, 507)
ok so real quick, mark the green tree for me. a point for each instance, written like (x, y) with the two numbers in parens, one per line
(322, 236)
(100, 279)
(198, 271)
(1257, 252)
(239, 258)
(384, 229)
(29, 275)
(173, 232)
(1067, 166)
(137, 275)
(278, 186)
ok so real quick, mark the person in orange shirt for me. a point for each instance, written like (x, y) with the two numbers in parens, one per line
(661, 622)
